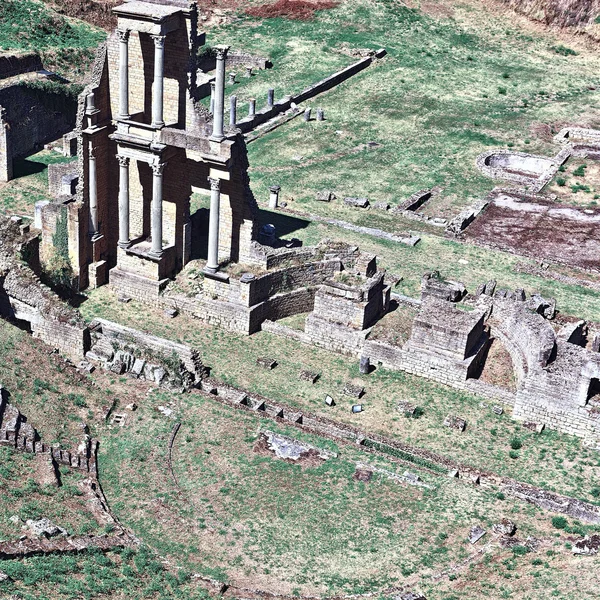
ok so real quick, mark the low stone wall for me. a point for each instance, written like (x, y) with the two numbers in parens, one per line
(434, 463)
(150, 346)
(17, 433)
(55, 174)
(267, 113)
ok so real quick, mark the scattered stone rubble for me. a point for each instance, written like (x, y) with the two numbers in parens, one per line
(588, 546)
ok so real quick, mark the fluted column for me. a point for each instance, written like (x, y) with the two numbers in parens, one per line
(212, 263)
(93, 192)
(123, 73)
(157, 209)
(221, 54)
(159, 81)
(124, 240)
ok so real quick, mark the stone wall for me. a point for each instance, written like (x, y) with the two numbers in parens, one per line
(35, 116)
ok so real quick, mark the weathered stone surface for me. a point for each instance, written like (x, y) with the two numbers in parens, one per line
(406, 408)
(329, 401)
(476, 533)
(325, 196)
(455, 423)
(498, 410)
(45, 527)
(357, 202)
(505, 527)
(365, 365)
(363, 475)
(355, 391)
(290, 449)
(309, 376)
(266, 363)
(588, 546)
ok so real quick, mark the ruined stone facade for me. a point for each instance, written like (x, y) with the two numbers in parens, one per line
(145, 145)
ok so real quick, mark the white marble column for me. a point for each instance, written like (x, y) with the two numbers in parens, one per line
(159, 81)
(221, 54)
(233, 110)
(212, 97)
(123, 73)
(157, 209)
(212, 263)
(93, 192)
(124, 240)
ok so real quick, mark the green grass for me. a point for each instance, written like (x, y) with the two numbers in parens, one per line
(30, 183)
(433, 102)
(66, 45)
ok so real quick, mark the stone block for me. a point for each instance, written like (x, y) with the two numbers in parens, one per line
(357, 202)
(309, 376)
(355, 391)
(505, 527)
(588, 546)
(266, 363)
(476, 533)
(454, 422)
(325, 196)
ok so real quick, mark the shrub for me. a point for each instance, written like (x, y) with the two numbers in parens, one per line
(502, 91)
(559, 522)
(513, 454)
(580, 171)
(595, 492)
(564, 50)
(561, 181)
(520, 550)
(501, 496)
(516, 443)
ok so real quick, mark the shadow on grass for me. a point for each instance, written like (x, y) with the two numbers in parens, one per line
(284, 224)
(23, 167)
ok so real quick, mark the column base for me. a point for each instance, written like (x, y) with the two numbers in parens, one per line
(156, 254)
(210, 270)
(123, 117)
(158, 125)
(216, 138)
(124, 245)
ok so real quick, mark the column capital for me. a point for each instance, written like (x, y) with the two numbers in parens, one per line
(123, 34)
(215, 184)
(123, 160)
(158, 168)
(221, 52)
(159, 40)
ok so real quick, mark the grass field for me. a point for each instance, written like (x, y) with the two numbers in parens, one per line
(460, 77)
(555, 461)
(452, 85)
(256, 521)
(66, 45)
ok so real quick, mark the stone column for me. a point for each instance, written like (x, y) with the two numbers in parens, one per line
(274, 196)
(123, 73)
(124, 240)
(232, 110)
(307, 114)
(159, 81)
(212, 264)
(320, 114)
(157, 209)
(271, 98)
(212, 97)
(217, 134)
(93, 192)
(252, 107)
